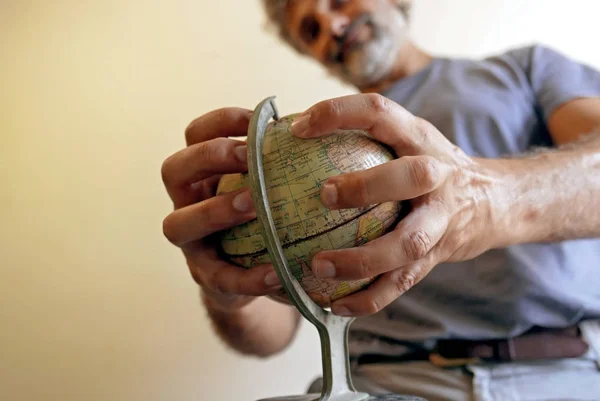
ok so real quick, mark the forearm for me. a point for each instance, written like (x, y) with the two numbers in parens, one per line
(550, 195)
(262, 328)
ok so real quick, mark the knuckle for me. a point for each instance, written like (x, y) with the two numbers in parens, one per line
(217, 117)
(170, 230)
(326, 110)
(422, 132)
(190, 129)
(203, 152)
(212, 152)
(359, 189)
(404, 281)
(365, 266)
(197, 276)
(425, 172)
(417, 245)
(165, 171)
(225, 114)
(422, 127)
(378, 103)
(373, 305)
(207, 218)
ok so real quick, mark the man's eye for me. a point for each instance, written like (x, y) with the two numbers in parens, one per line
(337, 4)
(309, 29)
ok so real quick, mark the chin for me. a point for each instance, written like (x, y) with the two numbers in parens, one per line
(374, 60)
(371, 63)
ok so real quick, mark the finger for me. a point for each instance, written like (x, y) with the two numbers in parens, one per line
(217, 275)
(384, 290)
(405, 178)
(199, 220)
(197, 162)
(198, 191)
(384, 119)
(411, 240)
(225, 122)
(206, 188)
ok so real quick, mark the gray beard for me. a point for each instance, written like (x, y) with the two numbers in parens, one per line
(373, 61)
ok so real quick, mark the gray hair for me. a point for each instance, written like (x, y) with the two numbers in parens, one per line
(275, 10)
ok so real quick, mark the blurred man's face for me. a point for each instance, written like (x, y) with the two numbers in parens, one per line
(357, 40)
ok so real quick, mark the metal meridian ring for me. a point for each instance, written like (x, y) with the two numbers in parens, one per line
(256, 135)
(332, 329)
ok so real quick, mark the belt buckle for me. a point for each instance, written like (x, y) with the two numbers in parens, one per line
(442, 362)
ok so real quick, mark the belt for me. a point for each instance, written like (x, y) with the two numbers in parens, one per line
(536, 344)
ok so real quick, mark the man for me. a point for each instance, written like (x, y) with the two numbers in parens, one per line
(489, 287)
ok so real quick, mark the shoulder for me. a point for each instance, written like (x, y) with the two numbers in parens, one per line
(521, 55)
(530, 50)
(535, 57)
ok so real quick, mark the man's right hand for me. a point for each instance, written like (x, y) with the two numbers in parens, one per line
(191, 176)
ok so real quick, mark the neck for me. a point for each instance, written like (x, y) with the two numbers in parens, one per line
(410, 60)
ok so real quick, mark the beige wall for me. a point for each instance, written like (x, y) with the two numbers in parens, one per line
(94, 303)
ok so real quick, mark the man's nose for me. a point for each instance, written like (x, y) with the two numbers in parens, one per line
(335, 23)
(338, 24)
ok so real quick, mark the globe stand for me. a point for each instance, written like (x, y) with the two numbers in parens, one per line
(332, 329)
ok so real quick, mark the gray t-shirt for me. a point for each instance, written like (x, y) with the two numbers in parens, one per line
(490, 108)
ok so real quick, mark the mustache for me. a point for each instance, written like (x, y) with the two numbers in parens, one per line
(337, 54)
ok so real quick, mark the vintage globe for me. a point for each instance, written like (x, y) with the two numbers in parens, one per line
(295, 170)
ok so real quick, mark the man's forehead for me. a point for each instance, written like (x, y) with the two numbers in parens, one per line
(293, 7)
(290, 8)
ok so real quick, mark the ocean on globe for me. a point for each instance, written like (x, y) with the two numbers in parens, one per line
(295, 169)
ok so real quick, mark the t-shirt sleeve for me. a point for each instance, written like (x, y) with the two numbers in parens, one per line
(556, 78)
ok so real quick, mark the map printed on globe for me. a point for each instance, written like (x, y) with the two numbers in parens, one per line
(295, 169)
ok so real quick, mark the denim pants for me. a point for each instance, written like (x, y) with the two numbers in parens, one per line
(576, 379)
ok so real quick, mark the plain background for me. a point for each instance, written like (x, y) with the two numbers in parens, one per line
(94, 303)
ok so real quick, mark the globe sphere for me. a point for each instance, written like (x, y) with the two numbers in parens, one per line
(295, 170)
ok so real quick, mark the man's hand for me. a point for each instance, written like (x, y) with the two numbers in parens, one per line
(451, 218)
(191, 177)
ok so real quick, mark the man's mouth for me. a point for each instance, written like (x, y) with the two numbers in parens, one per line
(353, 34)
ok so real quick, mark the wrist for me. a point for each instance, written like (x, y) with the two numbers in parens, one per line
(542, 197)
(224, 303)
(514, 214)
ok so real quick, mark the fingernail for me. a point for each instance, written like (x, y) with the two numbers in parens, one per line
(271, 279)
(300, 124)
(329, 194)
(241, 152)
(243, 202)
(341, 311)
(324, 269)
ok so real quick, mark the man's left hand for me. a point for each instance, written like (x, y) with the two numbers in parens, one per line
(451, 217)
